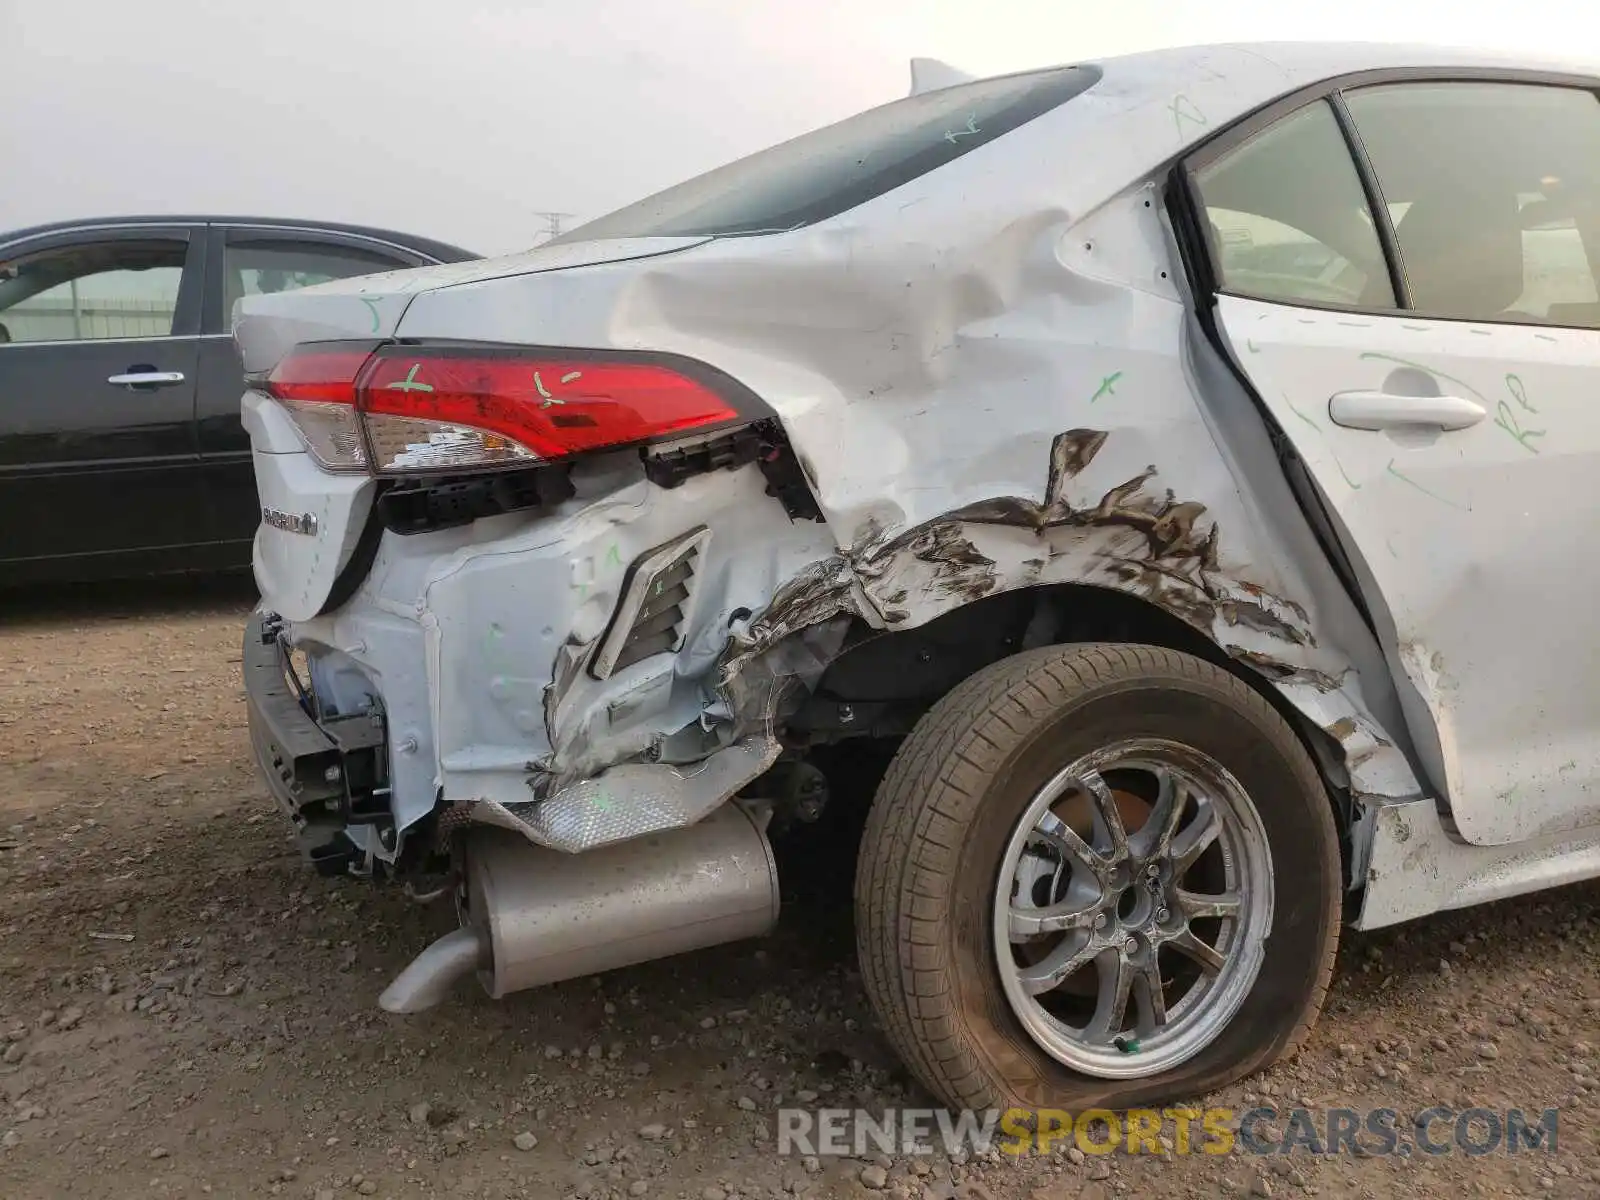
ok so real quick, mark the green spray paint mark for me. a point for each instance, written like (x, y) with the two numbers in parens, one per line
(613, 556)
(1184, 109)
(1374, 356)
(1507, 420)
(1403, 478)
(372, 307)
(409, 383)
(1354, 486)
(603, 802)
(1298, 413)
(972, 127)
(1519, 392)
(1108, 386)
(548, 398)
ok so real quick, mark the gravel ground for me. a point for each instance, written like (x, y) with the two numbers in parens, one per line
(186, 1010)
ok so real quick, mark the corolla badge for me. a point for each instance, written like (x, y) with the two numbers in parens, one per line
(305, 523)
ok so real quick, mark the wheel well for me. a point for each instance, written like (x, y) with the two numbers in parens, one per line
(883, 681)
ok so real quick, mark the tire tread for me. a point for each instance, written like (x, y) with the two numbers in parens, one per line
(933, 790)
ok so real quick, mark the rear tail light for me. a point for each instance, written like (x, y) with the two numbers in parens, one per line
(403, 409)
(332, 432)
(316, 387)
(402, 444)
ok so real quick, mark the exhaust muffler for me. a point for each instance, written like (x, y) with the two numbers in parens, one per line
(534, 916)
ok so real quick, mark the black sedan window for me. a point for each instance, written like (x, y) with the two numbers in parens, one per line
(124, 289)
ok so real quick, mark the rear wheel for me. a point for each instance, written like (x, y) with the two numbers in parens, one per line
(1070, 874)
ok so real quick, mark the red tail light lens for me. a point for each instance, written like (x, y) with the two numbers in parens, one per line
(326, 375)
(431, 409)
(550, 407)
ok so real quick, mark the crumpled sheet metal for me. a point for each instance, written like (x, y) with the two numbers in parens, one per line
(631, 800)
(983, 374)
(1135, 538)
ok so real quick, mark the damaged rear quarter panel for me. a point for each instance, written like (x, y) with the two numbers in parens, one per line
(983, 374)
(1064, 441)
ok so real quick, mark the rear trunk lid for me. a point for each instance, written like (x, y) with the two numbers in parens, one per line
(313, 520)
(268, 326)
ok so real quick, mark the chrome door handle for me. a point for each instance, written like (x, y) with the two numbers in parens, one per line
(1389, 410)
(146, 379)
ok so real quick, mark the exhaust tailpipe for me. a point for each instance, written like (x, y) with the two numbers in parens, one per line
(534, 916)
(434, 972)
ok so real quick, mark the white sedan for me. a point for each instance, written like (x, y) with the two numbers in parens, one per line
(1161, 460)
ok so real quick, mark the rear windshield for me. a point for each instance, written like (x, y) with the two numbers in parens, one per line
(831, 170)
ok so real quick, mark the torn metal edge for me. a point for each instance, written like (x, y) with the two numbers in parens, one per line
(1179, 572)
(632, 799)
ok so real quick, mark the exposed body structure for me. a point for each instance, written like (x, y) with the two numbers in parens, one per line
(1188, 564)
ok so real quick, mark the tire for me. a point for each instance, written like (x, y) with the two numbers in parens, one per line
(938, 836)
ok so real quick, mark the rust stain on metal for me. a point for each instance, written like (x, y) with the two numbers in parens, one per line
(1261, 593)
(1180, 563)
(1070, 453)
(1257, 616)
(1178, 571)
(1348, 727)
(820, 591)
(1285, 673)
(959, 568)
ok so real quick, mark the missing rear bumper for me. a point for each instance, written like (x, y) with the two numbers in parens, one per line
(632, 800)
(325, 772)
(533, 916)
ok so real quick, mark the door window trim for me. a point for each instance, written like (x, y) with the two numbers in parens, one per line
(1195, 244)
(186, 310)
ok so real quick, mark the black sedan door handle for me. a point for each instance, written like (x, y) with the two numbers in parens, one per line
(139, 377)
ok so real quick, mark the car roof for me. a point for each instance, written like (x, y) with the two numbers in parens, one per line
(1152, 107)
(1320, 60)
(442, 251)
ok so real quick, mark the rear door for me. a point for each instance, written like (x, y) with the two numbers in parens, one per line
(1406, 272)
(252, 261)
(98, 352)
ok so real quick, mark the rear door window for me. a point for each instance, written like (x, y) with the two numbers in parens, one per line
(1289, 220)
(1500, 188)
(832, 170)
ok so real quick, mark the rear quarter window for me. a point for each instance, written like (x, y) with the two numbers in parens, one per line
(832, 170)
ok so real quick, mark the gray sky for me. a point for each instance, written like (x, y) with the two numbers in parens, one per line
(461, 118)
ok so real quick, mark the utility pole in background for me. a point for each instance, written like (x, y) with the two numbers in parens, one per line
(552, 222)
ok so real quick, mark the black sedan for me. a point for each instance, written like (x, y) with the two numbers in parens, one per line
(121, 448)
